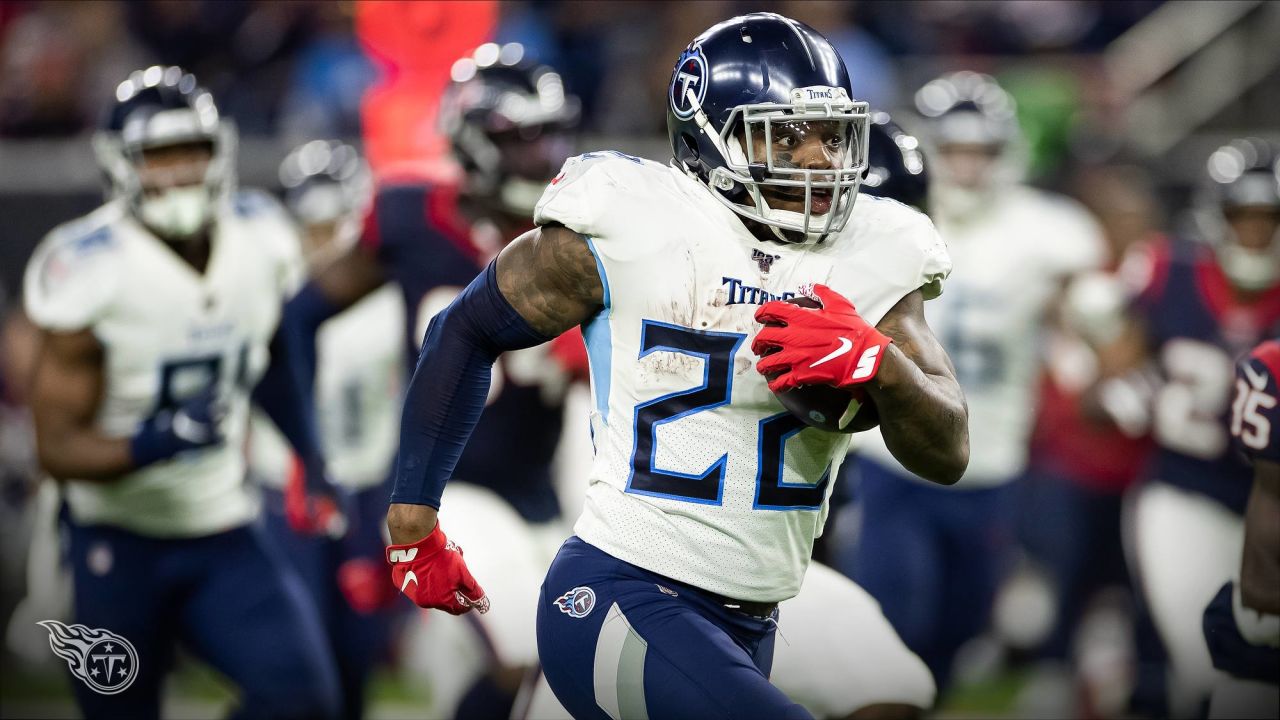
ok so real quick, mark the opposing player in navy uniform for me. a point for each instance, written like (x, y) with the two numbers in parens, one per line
(1242, 622)
(159, 314)
(359, 381)
(1199, 304)
(705, 494)
(510, 125)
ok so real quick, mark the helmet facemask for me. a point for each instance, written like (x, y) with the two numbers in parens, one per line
(825, 128)
(179, 201)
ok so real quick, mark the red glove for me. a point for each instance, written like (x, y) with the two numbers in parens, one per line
(311, 513)
(830, 345)
(362, 584)
(432, 573)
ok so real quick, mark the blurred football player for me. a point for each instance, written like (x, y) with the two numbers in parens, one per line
(934, 556)
(510, 125)
(1242, 622)
(705, 494)
(359, 381)
(1198, 306)
(158, 312)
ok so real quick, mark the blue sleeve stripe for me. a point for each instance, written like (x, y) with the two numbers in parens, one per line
(599, 337)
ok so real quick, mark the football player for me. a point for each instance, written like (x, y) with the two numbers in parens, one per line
(359, 381)
(1198, 305)
(705, 494)
(935, 556)
(158, 312)
(839, 657)
(1242, 623)
(510, 124)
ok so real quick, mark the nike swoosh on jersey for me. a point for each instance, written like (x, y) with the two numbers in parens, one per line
(409, 576)
(845, 346)
(1256, 379)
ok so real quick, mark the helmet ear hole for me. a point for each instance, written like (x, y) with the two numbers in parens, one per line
(690, 146)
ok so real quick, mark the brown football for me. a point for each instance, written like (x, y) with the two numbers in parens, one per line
(823, 406)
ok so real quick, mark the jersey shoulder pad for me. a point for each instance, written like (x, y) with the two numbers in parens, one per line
(601, 191)
(1255, 414)
(73, 273)
(1071, 240)
(274, 232)
(910, 236)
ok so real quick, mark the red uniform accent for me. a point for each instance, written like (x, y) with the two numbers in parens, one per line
(1066, 443)
(1224, 300)
(1268, 353)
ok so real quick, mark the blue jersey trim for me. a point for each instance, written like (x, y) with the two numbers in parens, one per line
(599, 338)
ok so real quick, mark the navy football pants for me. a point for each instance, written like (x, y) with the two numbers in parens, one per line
(619, 642)
(228, 598)
(932, 556)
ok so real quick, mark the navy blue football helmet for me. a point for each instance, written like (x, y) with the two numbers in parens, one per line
(155, 108)
(510, 124)
(1243, 175)
(895, 164)
(750, 83)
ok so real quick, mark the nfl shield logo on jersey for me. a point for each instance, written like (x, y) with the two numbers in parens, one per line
(577, 603)
(104, 661)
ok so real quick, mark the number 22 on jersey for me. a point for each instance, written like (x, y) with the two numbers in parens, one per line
(717, 351)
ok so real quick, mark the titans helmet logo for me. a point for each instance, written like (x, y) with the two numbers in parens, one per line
(104, 661)
(690, 75)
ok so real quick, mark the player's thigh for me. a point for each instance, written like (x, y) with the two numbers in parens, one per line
(1185, 546)
(119, 586)
(251, 618)
(620, 647)
(836, 652)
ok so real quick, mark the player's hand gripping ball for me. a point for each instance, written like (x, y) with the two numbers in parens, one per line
(817, 352)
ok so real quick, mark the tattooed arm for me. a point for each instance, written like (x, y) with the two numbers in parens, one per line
(923, 416)
(541, 285)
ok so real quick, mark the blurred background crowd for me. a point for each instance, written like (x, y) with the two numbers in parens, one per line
(1119, 102)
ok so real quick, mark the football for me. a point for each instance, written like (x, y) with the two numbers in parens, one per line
(825, 407)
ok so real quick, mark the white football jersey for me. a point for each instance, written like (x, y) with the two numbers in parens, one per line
(699, 473)
(359, 386)
(168, 334)
(1011, 262)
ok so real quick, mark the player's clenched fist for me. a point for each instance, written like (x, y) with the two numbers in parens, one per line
(433, 574)
(827, 345)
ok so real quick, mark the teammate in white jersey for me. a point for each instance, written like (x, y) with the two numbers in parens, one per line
(359, 381)
(158, 313)
(705, 495)
(934, 556)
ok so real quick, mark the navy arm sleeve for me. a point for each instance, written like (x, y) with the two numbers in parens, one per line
(285, 395)
(450, 383)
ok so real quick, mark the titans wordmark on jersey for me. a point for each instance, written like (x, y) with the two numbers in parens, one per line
(699, 473)
(169, 333)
